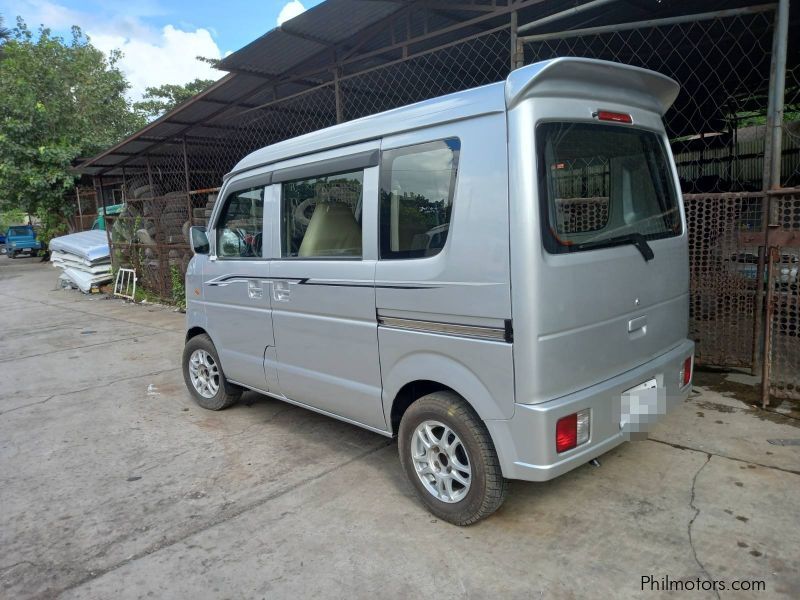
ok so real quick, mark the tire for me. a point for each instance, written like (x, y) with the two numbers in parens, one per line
(487, 487)
(12, 254)
(226, 394)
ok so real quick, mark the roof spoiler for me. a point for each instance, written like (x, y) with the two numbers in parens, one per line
(592, 79)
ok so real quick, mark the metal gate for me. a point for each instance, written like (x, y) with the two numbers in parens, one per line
(781, 370)
(724, 276)
(744, 254)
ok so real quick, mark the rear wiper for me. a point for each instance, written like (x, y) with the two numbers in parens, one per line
(637, 239)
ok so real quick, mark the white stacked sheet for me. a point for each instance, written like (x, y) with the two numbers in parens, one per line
(63, 260)
(91, 246)
(83, 257)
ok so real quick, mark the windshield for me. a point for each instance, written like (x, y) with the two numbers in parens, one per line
(20, 231)
(604, 185)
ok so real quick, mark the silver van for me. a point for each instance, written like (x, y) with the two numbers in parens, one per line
(498, 277)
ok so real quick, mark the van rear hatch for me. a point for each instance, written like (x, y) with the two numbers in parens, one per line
(599, 249)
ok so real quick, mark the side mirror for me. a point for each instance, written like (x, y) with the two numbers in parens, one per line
(199, 238)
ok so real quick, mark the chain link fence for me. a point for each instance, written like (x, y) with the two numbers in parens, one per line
(470, 63)
(717, 123)
(84, 201)
(717, 129)
(176, 186)
(151, 234)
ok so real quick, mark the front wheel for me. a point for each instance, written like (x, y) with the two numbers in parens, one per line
(449, 458)
(203, 375)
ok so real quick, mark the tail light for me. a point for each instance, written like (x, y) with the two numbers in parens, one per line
(572, 431)
(686, 372)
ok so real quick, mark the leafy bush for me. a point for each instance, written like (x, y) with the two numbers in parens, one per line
(178, 287)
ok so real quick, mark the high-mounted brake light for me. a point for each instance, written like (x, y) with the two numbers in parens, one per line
(606, 115)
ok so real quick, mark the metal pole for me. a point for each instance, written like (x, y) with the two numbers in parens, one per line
(772, 258)
(106, 223)
(98, 187)
(755, 353)
(777, 92)
(80, 210)
(337, 91)
(189, 206)
(766, 167)
(513, 44)
(564, 13)
(150, 177)
(749, 10)
(702, 153)
(772, 174)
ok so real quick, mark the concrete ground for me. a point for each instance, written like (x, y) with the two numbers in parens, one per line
(113, 484)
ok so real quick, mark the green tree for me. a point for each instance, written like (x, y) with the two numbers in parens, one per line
(9, 218)
(159, 100)
(60, 101)
(4, 33)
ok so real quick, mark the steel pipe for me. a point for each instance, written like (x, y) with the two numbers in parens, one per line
(575, 10)
(748, 10)
(777, 91)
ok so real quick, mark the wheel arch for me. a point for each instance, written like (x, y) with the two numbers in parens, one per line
(410, 393)
(422, 373)
(193, 332)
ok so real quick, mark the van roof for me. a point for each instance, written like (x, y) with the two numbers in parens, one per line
(557, 77)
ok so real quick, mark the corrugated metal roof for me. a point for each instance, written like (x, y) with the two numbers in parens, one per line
(272, 54)
(300, 38)
(254, 69)
(269, 66)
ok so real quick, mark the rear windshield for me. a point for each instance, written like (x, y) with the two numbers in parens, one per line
(20, 231)
(601, 185)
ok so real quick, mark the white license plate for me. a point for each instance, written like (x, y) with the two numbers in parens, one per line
(642, 406)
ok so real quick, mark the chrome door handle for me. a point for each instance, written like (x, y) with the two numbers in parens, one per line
(255, 289)
(281, 291)
(637, 327)
(637, 323)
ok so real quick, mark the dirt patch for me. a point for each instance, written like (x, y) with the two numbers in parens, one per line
(723, 408)
(717, 380)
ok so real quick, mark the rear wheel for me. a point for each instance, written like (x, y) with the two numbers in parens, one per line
(203, 375)
(449, 458)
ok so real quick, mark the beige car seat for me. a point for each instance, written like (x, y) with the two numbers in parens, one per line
(332, 231)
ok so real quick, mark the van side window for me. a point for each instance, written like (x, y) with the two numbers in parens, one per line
(240, 224)
(416, 198)
(321, 216)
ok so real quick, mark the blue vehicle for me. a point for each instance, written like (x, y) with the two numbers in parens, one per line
(21, 238)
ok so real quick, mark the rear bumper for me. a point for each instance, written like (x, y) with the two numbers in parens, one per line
(526, 443)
